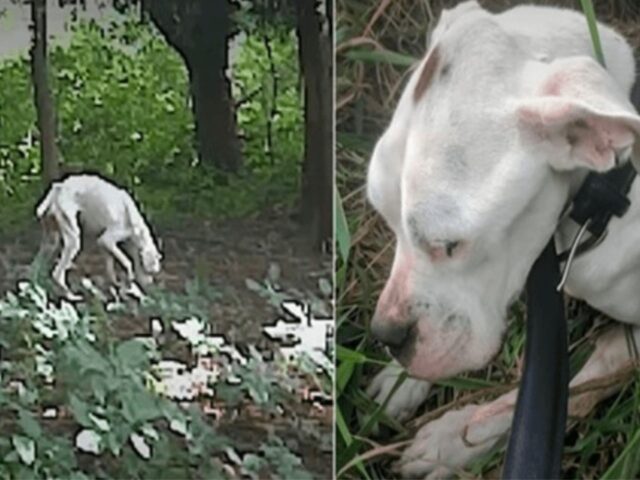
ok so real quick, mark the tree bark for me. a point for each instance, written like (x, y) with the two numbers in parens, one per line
(317, 170)
(199, 30)
(42, 94)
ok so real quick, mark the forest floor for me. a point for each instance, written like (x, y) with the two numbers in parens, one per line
(226, 257)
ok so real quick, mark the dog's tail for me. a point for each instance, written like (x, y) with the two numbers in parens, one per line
(46, 203)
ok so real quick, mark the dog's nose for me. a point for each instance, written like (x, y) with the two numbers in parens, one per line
(391, 333)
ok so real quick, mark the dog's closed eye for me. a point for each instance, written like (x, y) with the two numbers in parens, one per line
(442, 249)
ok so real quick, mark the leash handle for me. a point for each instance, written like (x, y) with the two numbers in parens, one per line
(538, 427)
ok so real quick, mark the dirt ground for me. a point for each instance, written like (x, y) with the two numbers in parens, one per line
(223, 254)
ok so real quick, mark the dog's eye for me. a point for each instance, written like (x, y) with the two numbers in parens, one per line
(442, 249)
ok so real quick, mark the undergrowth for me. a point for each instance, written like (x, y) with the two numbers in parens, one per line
(87, 390)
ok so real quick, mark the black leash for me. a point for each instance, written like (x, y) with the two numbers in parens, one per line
(537, 429)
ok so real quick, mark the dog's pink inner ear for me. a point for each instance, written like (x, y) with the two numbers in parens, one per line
(578, 106)
(597, 140)
(593, 137)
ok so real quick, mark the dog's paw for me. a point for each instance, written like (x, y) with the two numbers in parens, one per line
(446, 445)
(134, 291)
(405, 400)
(72, 297)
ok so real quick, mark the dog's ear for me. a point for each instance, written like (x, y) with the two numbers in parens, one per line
(578, 106)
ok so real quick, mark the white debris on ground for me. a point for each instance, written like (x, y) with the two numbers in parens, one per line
(50, 413)
(88, 441)
(140, 445)
(177, 381)
(301, 334)
(309, 336)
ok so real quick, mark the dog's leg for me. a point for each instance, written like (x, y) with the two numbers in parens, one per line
(458, 437)
(110, 268)
(70, 233)
(109, 241)
(50, 239)
(141, 277)
(406, 399)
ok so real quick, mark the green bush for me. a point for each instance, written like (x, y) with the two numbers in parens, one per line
(123, 109)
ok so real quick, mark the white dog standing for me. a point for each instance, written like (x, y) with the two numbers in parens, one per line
(494, 133)
(98, 207)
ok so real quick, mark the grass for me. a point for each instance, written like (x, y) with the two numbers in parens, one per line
(377, 41)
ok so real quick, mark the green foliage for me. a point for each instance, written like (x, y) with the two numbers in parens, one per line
(98, 385)
(123, 109)
(254, 87)
(105, 388)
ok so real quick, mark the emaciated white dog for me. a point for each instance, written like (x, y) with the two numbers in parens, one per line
(494, 133)
(103, 209)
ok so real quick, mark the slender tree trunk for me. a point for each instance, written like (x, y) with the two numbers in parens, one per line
(317, 170)
(199, 30)
(42, 94)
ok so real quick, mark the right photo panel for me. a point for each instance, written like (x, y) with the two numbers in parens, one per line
(486, 278)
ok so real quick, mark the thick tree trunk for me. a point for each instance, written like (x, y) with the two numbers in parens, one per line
(42, 94)
(200, 30)
(215, 122)
(317, 170)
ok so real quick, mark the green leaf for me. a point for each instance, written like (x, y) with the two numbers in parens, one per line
(346, 354)
(587, 8)
(140, 406)
(344, 432)
(28, 423)
(629, 456)
(132, 353)
(343, 236)
(80, 410)
(381, 56)
(25, 447)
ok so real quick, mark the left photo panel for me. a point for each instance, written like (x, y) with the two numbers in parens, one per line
(166, 231)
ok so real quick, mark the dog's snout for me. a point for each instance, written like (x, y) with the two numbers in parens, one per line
(391, 333)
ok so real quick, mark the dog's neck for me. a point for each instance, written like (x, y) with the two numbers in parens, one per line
(141, 236)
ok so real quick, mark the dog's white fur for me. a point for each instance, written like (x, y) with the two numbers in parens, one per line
(487, 157)
(98, 207)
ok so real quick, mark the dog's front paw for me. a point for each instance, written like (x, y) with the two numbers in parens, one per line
(72, 297)
(134, 291)
(446, 445)
(405, 400)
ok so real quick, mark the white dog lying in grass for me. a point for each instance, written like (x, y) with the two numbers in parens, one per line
(92, 205)
(495, 131)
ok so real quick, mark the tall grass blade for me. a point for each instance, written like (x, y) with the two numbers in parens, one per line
(590, 15)
(343, 235)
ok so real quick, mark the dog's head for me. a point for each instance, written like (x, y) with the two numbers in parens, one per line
(472, 174)
(149, 253)
(151, 258)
